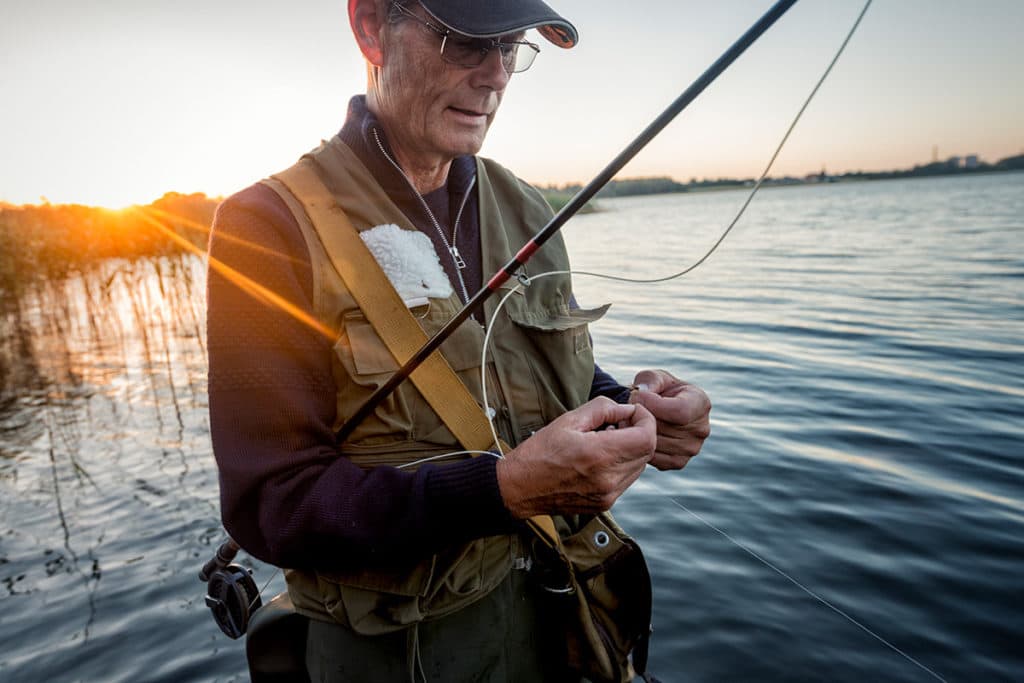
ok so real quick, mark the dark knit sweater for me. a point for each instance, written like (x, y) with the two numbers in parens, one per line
(286, 495)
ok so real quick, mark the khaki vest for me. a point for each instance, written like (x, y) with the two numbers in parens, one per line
(540, 364)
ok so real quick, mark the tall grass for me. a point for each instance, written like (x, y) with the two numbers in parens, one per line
(66, 272)
(51, 242)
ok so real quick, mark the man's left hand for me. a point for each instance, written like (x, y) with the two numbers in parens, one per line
(683, 413)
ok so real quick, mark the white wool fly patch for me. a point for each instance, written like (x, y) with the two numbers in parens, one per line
(408, 258)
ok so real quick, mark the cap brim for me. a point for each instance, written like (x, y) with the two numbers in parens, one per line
(491, 19)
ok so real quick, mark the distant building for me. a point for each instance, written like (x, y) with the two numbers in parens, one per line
(822, 177)
(953, 162)
(971, 161)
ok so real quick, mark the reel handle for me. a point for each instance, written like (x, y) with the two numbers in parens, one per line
(225, 553)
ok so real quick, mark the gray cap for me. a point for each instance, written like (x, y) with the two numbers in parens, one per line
(490, 18)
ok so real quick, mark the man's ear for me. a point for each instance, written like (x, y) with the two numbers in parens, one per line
(366, 26)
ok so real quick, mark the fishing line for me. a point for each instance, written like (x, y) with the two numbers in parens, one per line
(807, 590)
(272, 576)
(399, 467)
(526, 280)
(559, 219)
(447, 455)
(760, 180)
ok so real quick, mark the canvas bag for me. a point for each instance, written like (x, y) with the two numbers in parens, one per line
(602, 595)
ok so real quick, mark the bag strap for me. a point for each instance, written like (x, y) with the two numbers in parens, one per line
(395, 323)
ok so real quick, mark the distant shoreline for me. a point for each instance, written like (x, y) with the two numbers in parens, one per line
(766, 184)
(558, 196)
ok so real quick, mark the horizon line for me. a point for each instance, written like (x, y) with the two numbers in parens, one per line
(981, 163)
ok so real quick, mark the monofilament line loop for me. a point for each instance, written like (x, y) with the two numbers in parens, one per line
(760, 180)
(696, 264)
(559, 219)
(811, 593)
(416, 463)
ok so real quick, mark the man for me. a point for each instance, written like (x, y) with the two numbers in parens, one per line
(419, 572)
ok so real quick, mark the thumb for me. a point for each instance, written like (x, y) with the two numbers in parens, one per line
(654, 381)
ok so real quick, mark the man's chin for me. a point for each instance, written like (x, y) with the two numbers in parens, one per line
(466, 146)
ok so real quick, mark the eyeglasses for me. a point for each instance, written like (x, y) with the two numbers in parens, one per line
(465, 51)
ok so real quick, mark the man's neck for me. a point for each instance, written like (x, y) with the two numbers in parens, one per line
(424, 175)
(426, 172)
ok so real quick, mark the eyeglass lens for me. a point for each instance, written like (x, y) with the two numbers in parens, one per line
(471, 52)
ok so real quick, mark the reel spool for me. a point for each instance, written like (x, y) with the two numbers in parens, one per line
(231, 594)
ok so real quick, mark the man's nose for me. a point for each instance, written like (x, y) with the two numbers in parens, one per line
(492, 72)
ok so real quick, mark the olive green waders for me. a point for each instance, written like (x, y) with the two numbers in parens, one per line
(502, 638)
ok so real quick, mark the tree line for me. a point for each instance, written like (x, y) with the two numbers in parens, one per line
(53, 241)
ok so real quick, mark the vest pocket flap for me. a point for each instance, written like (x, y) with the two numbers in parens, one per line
(409, 581)
(376, 601)
(558, 320)
(369, 355)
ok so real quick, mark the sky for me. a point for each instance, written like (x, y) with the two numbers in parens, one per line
(116, 102)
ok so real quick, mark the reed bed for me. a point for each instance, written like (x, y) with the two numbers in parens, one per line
(80, 281)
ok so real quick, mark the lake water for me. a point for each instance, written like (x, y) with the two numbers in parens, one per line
(863, 345)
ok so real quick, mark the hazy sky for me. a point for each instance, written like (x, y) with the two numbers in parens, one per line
(114, 102)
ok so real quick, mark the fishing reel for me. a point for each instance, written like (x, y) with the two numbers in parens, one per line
(231, 594)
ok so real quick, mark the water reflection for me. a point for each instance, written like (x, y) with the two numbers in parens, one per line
(867, 384)
(106, 477)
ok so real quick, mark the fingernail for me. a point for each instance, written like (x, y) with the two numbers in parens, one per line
(641, 387)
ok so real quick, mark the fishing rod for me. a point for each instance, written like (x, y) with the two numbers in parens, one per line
(567, 212)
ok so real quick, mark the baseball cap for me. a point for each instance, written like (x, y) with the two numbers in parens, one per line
(490, 18)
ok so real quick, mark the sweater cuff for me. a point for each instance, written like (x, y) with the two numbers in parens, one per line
(465, 499)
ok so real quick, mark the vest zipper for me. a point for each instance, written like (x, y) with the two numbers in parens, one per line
(453, 250)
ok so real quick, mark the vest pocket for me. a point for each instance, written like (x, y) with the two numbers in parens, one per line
(361, 364)
(378, 600)
(369, 355)
(561, 361)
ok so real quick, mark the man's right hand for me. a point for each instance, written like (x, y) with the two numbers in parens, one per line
(568, 467)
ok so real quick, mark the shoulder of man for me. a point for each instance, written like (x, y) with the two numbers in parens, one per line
(507, 182)
(255, 203)
(254, 226)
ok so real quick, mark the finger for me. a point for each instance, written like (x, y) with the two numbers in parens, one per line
(665, 462)
(679, 409)
(621, 446)
(687, 445)
(699, 428)
(653, 380)
(636, 440)
(599, 412)
(642, 417)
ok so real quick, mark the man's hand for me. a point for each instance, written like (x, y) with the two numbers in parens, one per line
(567, 467)
(682, 411)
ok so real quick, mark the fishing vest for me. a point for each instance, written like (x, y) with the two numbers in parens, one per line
(539, 365)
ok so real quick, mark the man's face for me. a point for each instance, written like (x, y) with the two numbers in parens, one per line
(435, 111)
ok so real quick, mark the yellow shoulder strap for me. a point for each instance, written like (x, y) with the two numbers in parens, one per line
(393, 321)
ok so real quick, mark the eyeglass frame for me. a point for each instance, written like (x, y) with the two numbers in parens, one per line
(486, 44)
